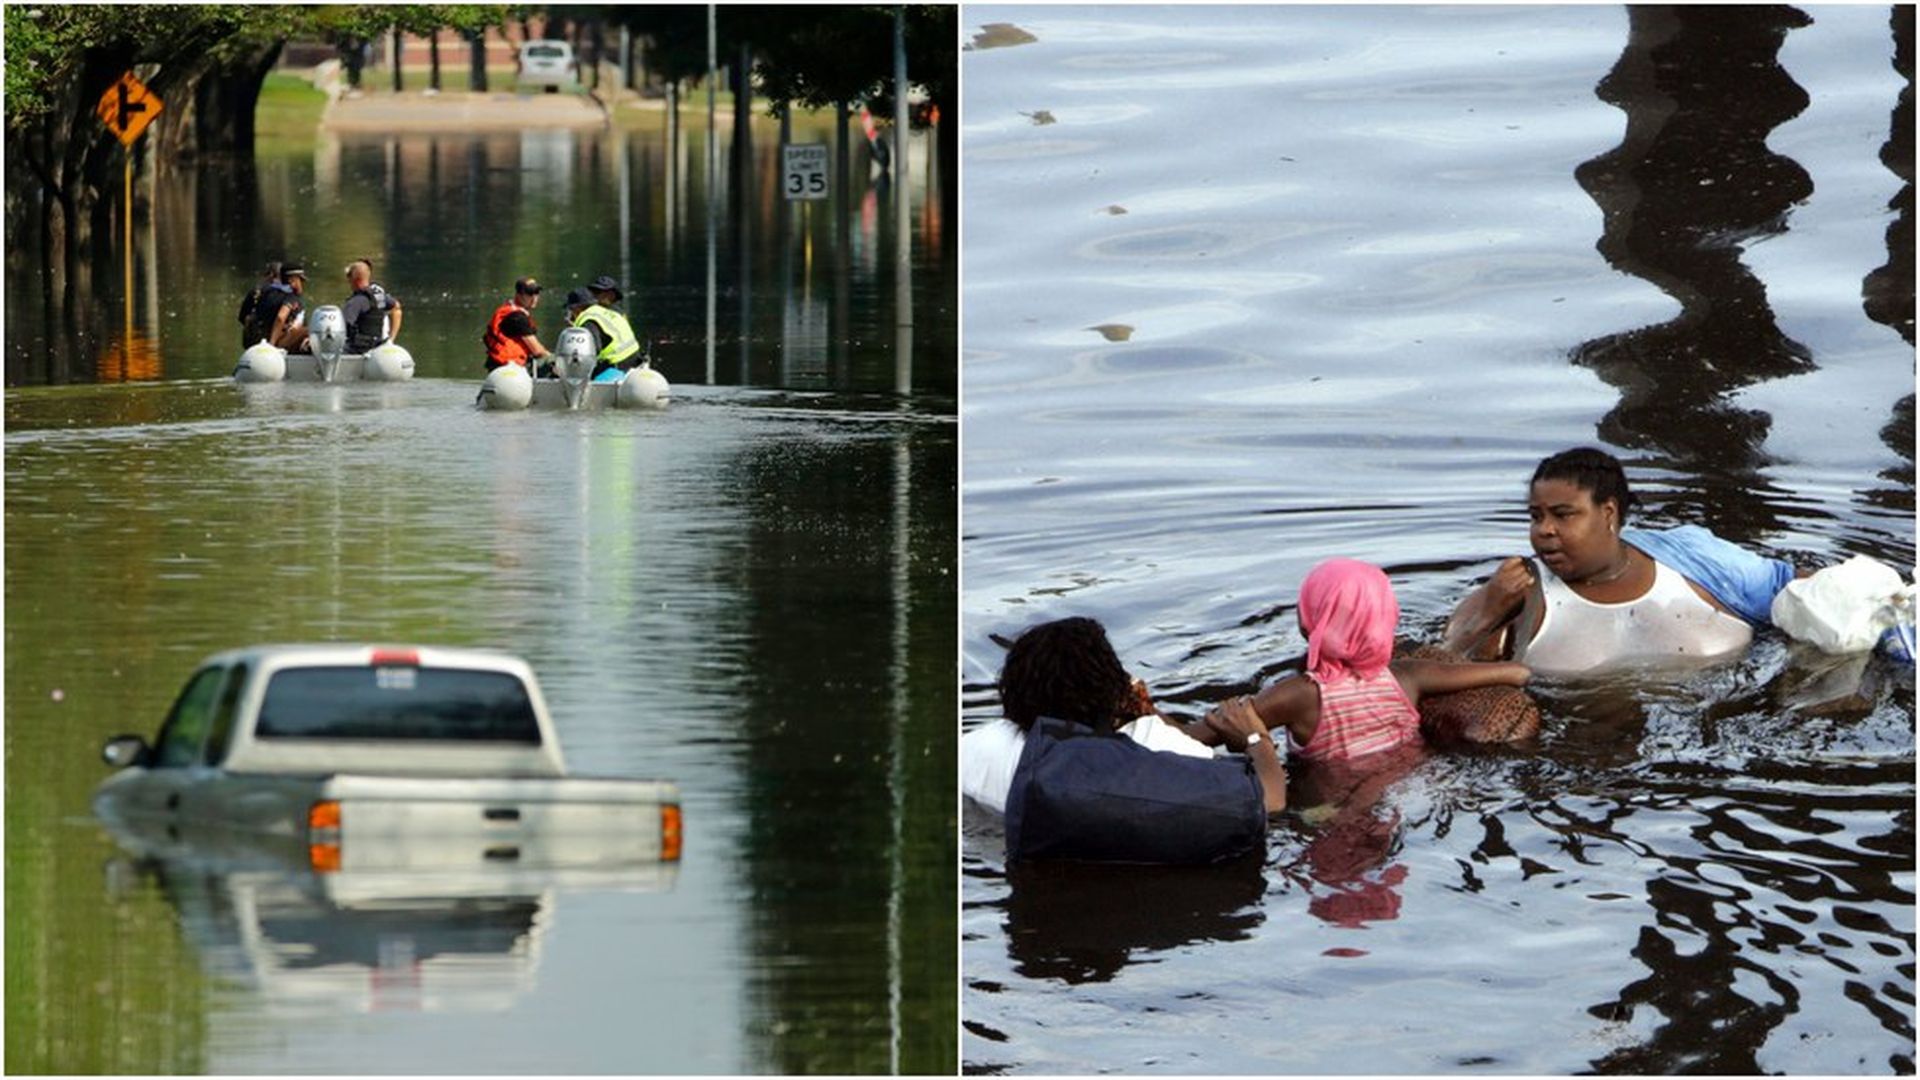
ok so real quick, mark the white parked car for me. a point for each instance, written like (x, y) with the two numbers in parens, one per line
(550, 64)
(370, 757)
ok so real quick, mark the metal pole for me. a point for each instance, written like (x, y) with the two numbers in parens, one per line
(713, 178)
(623, 175)
(126, 241)
(902, 216)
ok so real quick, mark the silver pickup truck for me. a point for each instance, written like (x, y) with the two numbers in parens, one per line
(359, 757)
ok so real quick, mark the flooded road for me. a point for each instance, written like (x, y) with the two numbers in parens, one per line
(451, 220)
(1251, 288)
(750, 593)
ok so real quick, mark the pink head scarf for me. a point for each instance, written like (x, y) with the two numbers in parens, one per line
(1349, 613)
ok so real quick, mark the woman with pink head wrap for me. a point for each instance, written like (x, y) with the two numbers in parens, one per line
(1356, 700)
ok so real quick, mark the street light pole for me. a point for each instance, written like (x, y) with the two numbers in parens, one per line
(902, 215)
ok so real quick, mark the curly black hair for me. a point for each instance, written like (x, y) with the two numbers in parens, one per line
(1068, 670)
(1595, 472)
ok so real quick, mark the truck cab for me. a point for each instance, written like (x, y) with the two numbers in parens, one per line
(420, 752)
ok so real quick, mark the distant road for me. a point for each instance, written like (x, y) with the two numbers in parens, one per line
(462, 111)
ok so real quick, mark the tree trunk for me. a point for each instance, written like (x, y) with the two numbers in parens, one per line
(224, 100)
(947, 132)
(433, 60)
(743, 118)
(352, 57)
(477, 78)
(399, 49)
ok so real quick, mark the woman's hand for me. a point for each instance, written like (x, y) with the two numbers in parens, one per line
(1473, 630)
(1235, 719)
(1508, 587)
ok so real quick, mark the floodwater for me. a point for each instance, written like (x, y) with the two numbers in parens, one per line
(1248, 288)
(750, 593)
(804, 291)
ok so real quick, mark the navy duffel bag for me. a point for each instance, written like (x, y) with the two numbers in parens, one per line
(1105, 798)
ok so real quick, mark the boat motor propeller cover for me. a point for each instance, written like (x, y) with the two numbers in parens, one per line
(1104, 798)
(329, 332)
(575, 360)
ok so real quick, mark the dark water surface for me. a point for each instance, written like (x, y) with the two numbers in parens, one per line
(1248, 288)
(750, 593)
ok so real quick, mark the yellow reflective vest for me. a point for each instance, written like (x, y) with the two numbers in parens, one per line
(621, 344)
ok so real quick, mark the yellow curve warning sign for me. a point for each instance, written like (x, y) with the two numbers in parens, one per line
(127, 108)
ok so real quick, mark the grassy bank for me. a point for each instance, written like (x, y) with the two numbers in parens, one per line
(287, 115)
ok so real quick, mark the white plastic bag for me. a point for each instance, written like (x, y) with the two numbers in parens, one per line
(1844, 608)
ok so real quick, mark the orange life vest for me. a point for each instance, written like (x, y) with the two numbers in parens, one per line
(502, 349)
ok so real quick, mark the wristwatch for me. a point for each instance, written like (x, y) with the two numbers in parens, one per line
(1252, 737)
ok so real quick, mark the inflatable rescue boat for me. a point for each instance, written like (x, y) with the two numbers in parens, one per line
(511, 387)
(329, 362)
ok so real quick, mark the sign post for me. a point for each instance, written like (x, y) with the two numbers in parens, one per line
(127, 108)
(803, 171)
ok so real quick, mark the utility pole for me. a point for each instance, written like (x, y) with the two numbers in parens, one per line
(902, 215)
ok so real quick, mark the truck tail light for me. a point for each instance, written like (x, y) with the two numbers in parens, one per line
(323, 817)
(324, 858)
(670, 832)
(396, 658)
(323, 836)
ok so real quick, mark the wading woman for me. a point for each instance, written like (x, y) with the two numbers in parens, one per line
(1599, 596)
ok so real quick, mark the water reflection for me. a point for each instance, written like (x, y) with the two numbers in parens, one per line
(1888, 290)
(1082, 923)
(407, 928)
(1690, 184)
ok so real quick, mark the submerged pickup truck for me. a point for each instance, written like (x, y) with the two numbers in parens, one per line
(360, 757)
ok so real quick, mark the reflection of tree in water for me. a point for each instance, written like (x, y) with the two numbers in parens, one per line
(1083, 922)
(1732, 910)
(1691, 182)
(850, 844)
(1888, 290)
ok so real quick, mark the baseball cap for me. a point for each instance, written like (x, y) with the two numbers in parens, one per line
(605, 283)
(292, 269)
(580, 297)
(528, 286)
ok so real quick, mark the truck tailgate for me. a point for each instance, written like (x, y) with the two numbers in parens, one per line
(447, 821)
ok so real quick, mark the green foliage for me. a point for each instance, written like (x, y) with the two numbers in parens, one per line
(50, 47)
(822, 56)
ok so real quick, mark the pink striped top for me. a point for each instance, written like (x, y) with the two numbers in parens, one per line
(1361, 716)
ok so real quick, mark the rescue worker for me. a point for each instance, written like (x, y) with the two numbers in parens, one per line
(282, 320)
(372, 313)
(510, 335)
(269, 282)
(612, 335)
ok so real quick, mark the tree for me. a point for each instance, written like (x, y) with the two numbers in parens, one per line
(206, 61)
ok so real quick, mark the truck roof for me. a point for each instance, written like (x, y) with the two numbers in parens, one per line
(336, 653)
(251, 753)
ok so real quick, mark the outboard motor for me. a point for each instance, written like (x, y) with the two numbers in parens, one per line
(328, 332)
(573, 361)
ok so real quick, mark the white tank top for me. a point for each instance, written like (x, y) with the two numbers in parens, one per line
(1669, 622)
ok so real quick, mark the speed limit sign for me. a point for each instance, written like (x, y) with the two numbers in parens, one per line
(804, 170)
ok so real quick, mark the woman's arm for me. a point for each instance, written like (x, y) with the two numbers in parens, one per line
(1247, 733)
(1486, 610)
(1427, 678)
